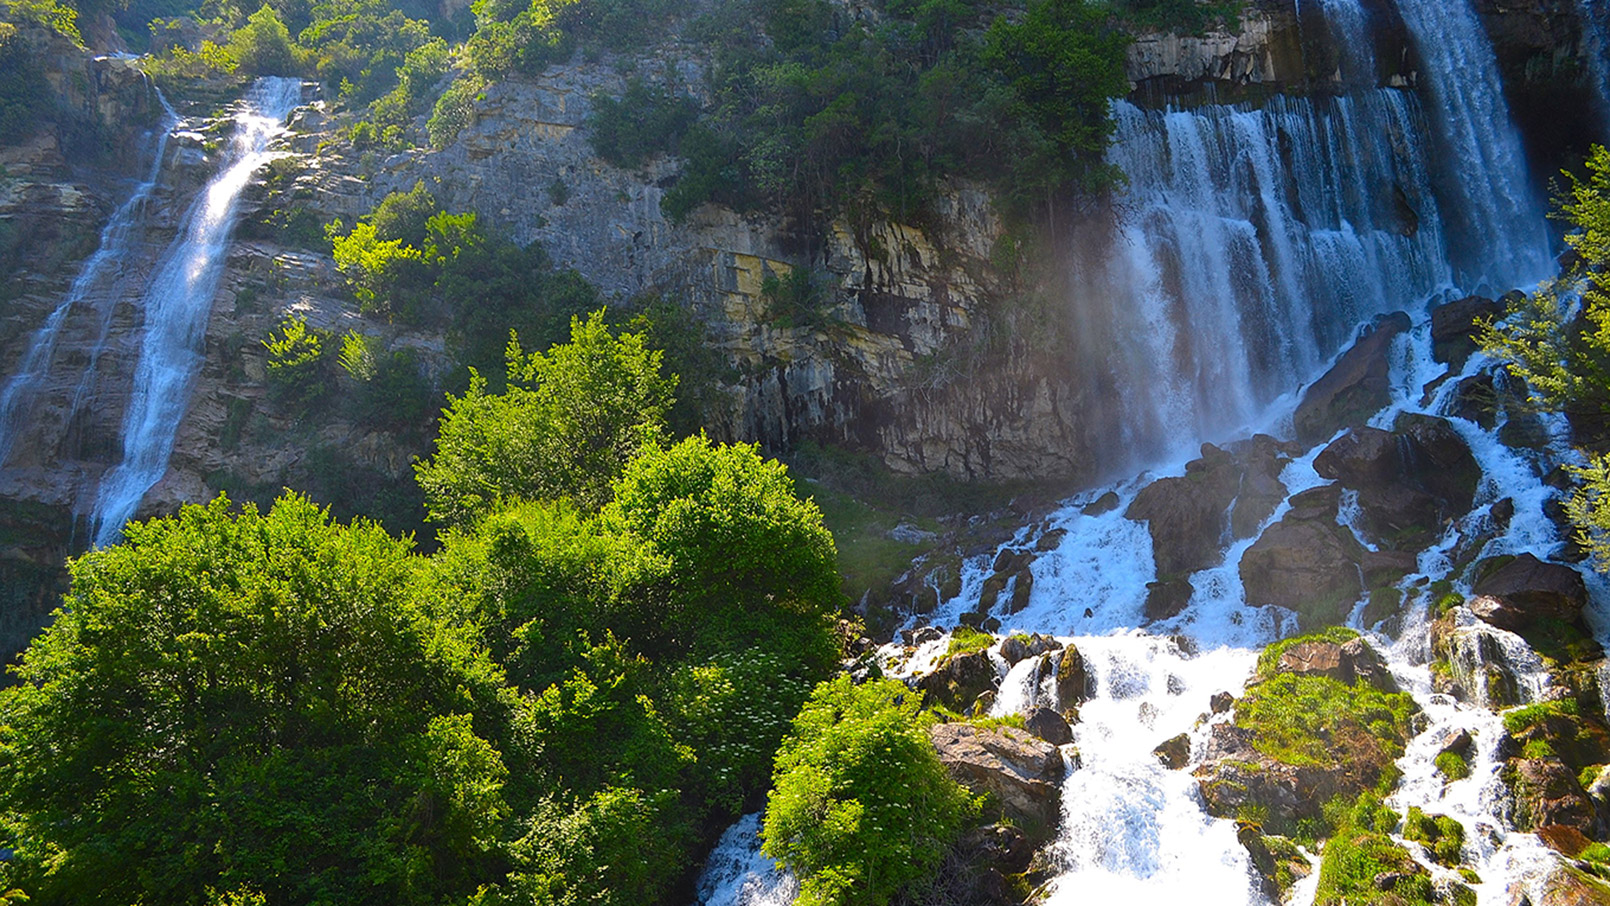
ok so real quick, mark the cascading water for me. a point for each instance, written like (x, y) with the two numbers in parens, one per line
(116, 238)
(1253, 239)
(1501, 237)
(1251, 243)
(176, 307)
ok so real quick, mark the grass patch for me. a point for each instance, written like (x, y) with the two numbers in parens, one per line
(1315, 720)
(1525, 717)
(1361, 852)
(966, 640)
(1442, 836)
(868, 558)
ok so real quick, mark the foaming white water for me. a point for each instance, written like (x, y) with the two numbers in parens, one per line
(176, 308)
(1501, 857)
(1252, 240)
(1502, 217)
(115, 242)
(1132, 828)
(739, 874)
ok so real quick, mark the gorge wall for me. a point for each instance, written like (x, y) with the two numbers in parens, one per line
(930, 355)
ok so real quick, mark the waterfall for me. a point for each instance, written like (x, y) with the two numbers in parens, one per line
(117, 237)
(1501, 237)
(176, 307)
(1252, 239)
(1596, 47)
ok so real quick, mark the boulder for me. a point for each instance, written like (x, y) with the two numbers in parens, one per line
(1544, 791)
(1187, 516)
(959, 680)
(1453, 328)
(1310, 566)
(1022, 773)
(1167, 598)
(1517, 594)
(1475, 399)
(1073, 679)
(1048, 725)
(1261, 492)
(1350, 662)
(1408, 480)
(1354, 389)
(1175, 752)
(1565, 885)
(1221, 702)
(1017, 648)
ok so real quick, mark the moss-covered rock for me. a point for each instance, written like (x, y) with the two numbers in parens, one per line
(1302, 737)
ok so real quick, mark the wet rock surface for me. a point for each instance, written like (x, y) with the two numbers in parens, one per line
(1306, 562)
(1516, 594)
(1354, 389)
(1022, 772)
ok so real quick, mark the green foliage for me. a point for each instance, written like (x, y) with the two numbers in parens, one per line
(263, 45)
(296, 354)
(837, 116)
(512, 37)
(1181, 15)
(689, 353)
(454, 110)
(861, 805)
(250, 703)
(47, 14)
(743, 552)
(1444, 837)
(1315, 720)
(618, 847)
(966, 640)
(410, 261)
(1562, 351)
(645, 122)
(1453, 766)
(564, 426)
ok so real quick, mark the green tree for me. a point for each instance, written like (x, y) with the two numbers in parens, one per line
(565, 425)
(746, 560)
(250, 702)
(1561, 349)
(263, 45)
(861, 805)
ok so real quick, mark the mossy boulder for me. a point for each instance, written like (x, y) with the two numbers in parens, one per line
(1301, 738)
(960, 679)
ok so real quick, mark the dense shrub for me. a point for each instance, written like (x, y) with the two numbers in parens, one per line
(250, 703)
(563, 427)
(861, 806)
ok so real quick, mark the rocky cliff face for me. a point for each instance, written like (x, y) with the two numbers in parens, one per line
(926, 354)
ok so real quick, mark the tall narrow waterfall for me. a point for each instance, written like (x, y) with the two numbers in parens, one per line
(103, 266)
(176, 308)
(1501, 236)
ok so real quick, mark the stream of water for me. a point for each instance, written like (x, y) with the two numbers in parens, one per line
(1253, 241)
(176, 307)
